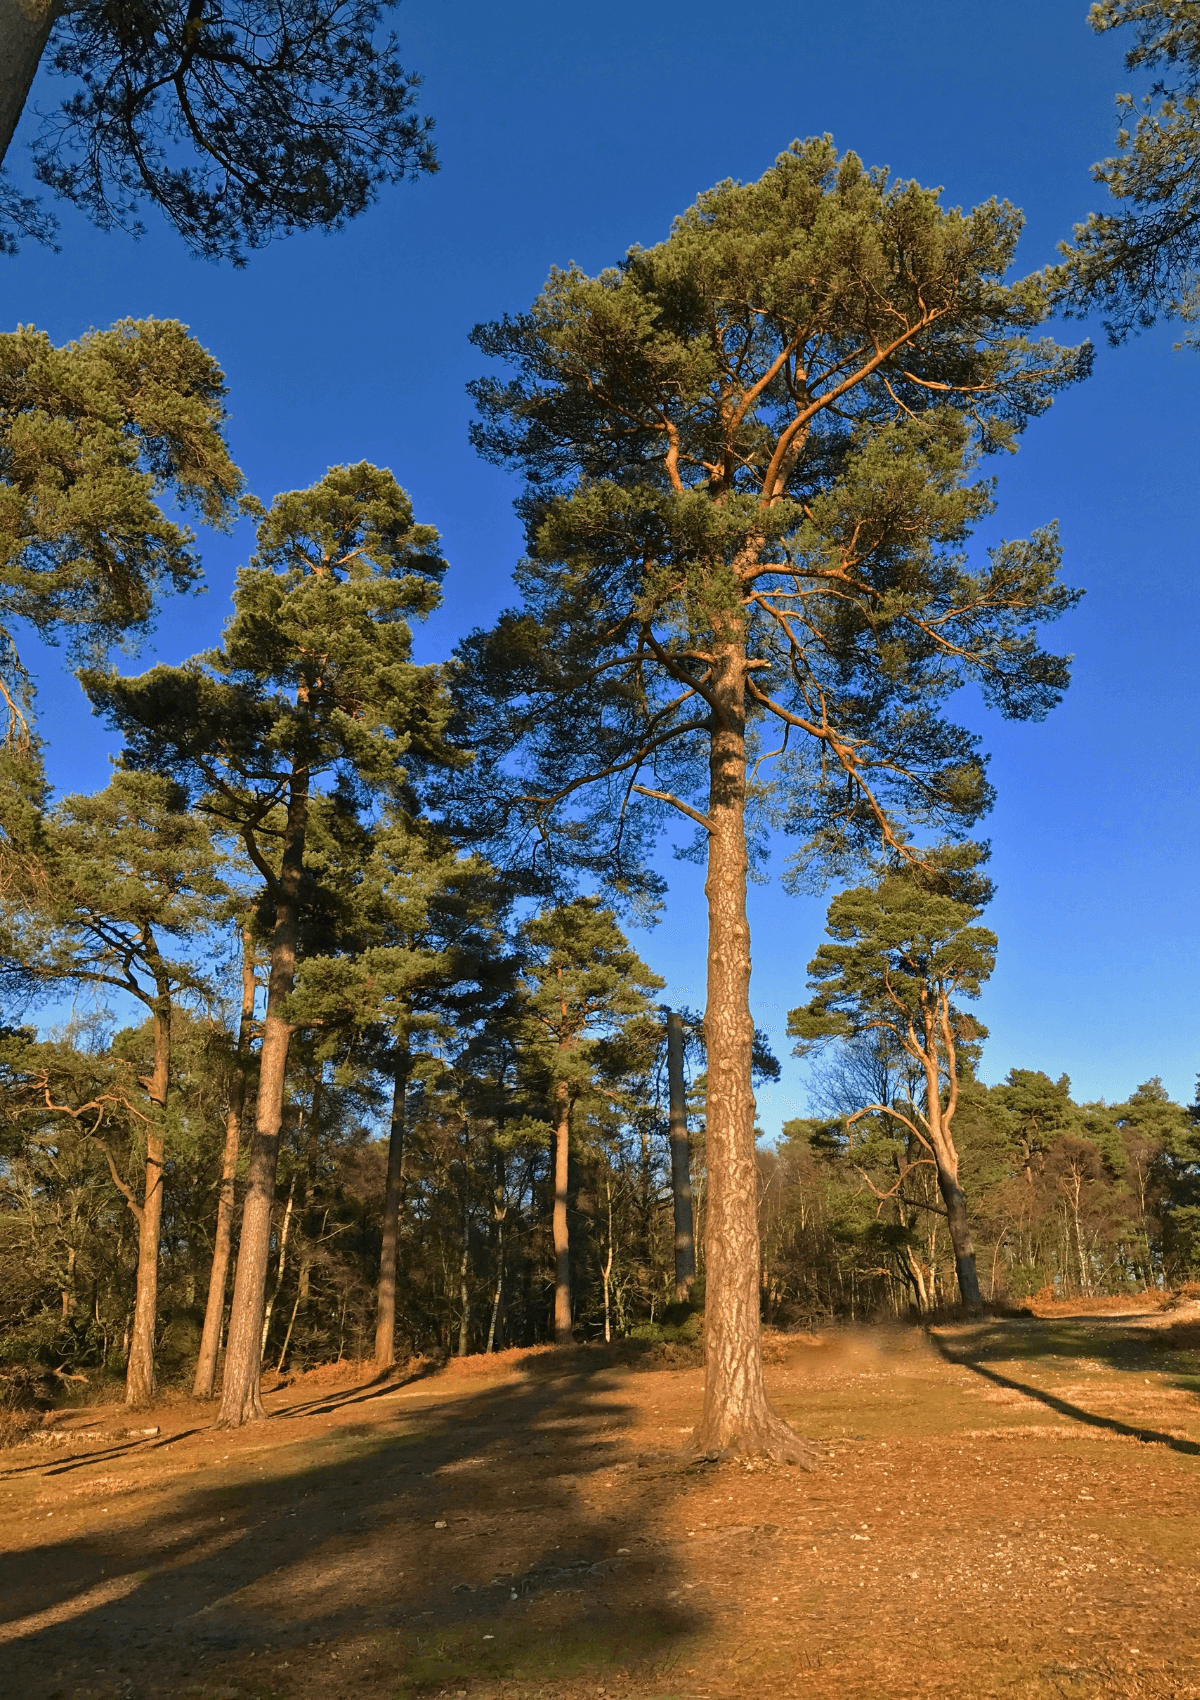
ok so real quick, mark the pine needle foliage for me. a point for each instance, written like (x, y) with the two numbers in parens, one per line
(1142, 261)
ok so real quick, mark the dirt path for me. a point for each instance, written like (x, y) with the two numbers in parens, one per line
(1005, 1510)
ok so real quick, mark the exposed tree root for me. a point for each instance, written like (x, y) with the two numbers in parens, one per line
(767, 1440)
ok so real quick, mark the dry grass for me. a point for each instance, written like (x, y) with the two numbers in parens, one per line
(1006, 1509)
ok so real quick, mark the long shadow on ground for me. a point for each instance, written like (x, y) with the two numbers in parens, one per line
(1119, 1339)
(969, 1359)
(448, 1537)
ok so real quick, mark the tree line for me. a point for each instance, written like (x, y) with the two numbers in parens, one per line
(751, 458)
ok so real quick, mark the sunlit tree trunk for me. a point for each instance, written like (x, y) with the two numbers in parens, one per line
(464, 1296)
(139, 1377)
(210, 1338)
(681, 1162)
(938, 1120)
(285, 1230)
(498, 1295)
(241, 1399)
(385, 1309)
(606, 1270)
(737, 1416)
(562, 1243)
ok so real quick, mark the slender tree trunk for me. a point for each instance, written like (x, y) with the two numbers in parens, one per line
(464, 1297)
(139, 1377)
(281, 1263)
(291, 1216)
(495, 1316)
(737, 1416)
(917, 1277)
(562, 1243)
(606, 1271)
(25, 27)
(210, 1338)
(385, 1314)
(301, 1297)
(646, 1199)
(241, 1399)
(1084, 1283)
(681, 1163)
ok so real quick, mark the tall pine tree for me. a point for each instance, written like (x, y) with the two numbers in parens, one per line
(748, 455)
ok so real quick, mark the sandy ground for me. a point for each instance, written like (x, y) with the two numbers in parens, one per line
(1004, 1509)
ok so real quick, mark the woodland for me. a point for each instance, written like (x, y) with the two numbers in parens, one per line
(323, 1035)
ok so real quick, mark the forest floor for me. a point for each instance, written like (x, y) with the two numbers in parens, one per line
(1010, 1508)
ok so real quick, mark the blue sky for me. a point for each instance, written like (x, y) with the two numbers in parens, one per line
(568, 133)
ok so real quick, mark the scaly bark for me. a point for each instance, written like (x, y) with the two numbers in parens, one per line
(385, 1314)
(25, 27)
(737, 1416)
(210, 1337)
(681, 1162)
(562, 1243)
(241, 1400)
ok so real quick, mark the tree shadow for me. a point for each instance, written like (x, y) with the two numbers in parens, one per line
(1077, 1413)
(1114, 1339)
(504, 1534)
(102, 1455)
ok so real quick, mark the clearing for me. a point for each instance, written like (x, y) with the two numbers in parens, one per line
(1007, 1508)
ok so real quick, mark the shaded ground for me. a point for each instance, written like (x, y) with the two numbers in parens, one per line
(1008, 1509)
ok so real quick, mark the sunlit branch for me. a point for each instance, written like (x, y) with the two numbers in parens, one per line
(677, 803)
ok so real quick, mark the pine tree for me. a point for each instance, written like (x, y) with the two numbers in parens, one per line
(1141, 261)
(95, 889)
(749, 458)
(905, 949)
(205, 1376)
(313, 693)
(94, 438)
(416, 961)
(587, 992)
(289, 116)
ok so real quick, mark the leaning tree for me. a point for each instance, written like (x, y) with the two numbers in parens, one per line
(904, 951)
(749, 459)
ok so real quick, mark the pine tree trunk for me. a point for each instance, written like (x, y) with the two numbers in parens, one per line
(241, 1399)
(562, 1244)
(210, 1338)
(681, 1162)
(139, 1377)
(25, 27)
(464, 1296)
(494, 1319)
(955, 1200)
(280, 1265)
(606, 1269)
(737, 1417)
(385, 1314)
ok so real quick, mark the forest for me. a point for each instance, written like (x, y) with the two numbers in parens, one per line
(596, 960)
(324, 1036)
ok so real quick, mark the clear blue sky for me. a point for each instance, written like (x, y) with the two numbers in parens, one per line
(567, 133)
